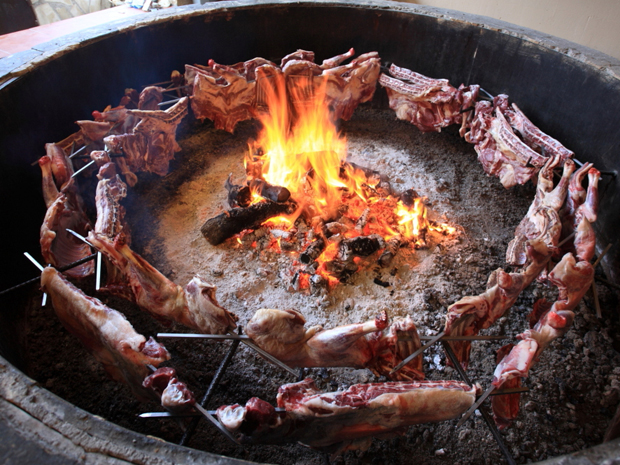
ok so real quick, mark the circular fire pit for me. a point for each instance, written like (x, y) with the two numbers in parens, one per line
(44, 98)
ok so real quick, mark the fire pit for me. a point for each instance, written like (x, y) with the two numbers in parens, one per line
(157, 212)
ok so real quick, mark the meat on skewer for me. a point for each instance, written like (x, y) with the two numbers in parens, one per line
(371, 345)
(104, 332)
(175, 395)
(573, 278)
(345, 420)
(195, 306)
(429, 104)
(64, 211)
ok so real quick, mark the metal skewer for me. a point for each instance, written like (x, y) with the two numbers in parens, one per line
(417, 352)
(474, 407)
(41, 268)
(214, 382)
(161, 104)
(225, 337)
(212, 419)
(61, 269)
(183, 415)
(98, 272)
(80, 237)
(268, 356)
(487, 418)
(82, 168)
(77, 152)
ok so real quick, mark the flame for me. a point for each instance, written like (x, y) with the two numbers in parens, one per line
(300, 148)
(305, 154)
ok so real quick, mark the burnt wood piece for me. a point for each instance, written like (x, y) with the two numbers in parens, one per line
(225, 225)
(268, 191)
(313, 251)
(238, 195)
(241, 196)
(391, 248)
(341, 269)
(408, 197)
(361, 246)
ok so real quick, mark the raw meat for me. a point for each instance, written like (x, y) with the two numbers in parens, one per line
(346, 420)
(195, 306)
(104, 332)
(371, 345)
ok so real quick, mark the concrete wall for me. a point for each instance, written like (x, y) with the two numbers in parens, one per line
(593, 23)
(49, 11)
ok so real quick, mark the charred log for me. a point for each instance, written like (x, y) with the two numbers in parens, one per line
(268, 191)
(408, 197)
(225, 225)
(313, 251)
(238, 195)
(361, 246)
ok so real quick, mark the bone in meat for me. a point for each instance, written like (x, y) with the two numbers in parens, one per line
(152, 144)
(533, 136)
(106, 333)
(223, 96)
(504, 155)
(580, 211)
(175, 395)
(195, 306)
(349, 85)
(58, 246)
(573, 278)
(473, 313)
(506, 407)
(429, 104)
(110, 191)
(371, 345)
(542, 222)
(150, 98)
(346, 420)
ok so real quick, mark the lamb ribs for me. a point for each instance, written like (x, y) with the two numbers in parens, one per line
(345, 420)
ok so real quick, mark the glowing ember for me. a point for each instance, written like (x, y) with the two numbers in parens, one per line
(300, 149)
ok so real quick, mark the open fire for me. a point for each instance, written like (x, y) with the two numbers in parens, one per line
(334, 216)
(350, 214)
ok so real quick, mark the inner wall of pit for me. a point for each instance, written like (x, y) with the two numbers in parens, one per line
(569, 92)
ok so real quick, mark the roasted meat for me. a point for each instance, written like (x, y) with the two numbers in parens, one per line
(371, 345)
(473, 313)
(429, 104)
(106, 333)
(152, 144)
(175, 395)
(346, 420)
(64, 211)
(195, 306)
(572, 278)
(223, 94)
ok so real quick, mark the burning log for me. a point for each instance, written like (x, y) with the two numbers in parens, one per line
(225, 225)
(361, 246)
(313, 251)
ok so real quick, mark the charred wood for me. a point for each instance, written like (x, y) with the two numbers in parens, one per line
(391, 248)
(225, 225)
(313, 251)
(361, 246)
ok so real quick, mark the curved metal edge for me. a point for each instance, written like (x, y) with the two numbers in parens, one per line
(20, 63)
(40, 427)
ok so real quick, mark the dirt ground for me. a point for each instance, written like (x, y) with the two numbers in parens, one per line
(573, 390)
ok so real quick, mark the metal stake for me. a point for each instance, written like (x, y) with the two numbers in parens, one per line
(487, 418)
(417, 352)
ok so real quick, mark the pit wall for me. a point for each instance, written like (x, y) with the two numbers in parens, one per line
(593, 23)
